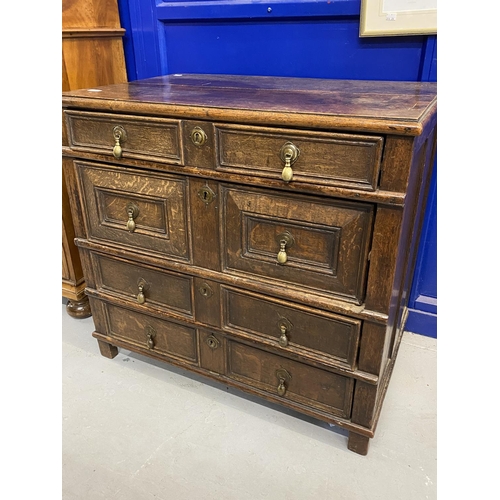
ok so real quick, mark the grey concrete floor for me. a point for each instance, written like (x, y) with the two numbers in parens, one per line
(137, 429)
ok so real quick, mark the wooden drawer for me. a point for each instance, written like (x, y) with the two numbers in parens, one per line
(148, 332)
(290, 379)
(323, 158)
(305, 332)
(143, 284)
(326, 242)
(147, 138)
(145, 211)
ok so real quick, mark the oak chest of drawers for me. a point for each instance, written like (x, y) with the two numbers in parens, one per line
(260, 231)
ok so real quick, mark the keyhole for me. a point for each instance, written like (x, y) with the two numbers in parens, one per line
(198, 136)
(206, 195)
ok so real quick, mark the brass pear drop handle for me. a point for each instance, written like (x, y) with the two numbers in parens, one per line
(285, 241)
(120, 137)
(141, 296)
(281, 387)
(150, 334)
(283, 341)
(288, 154)
(285, 327)
(283, 376)
(132, 213)
(282, 257)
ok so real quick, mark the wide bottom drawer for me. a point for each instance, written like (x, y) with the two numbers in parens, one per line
(251, 366)
(290, 379)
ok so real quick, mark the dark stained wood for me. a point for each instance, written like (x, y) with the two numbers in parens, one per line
(196, 155)
(312, 298)
(343, 160)
(379, 196)
(76, 217)
(302, 383)
(212, 352)
(145, 138)
(330, 240)
(371, 348)
(107, 350)
(306, 331)
(395, 172)
(205, 223)
(79, 309)
(159, 288)
(363, 406)
(383, 255)
(358, 443)
(375, 106)
(207, 299)
(161, 223)
(168, 339)
(417, 200)
(212, 210)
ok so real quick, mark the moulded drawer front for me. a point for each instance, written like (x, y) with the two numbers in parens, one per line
(299, 331)
(290, 379)
(139, 137)
(144, 285)
(305, 241)
(323, 158)
(155, 334)
(141, 210)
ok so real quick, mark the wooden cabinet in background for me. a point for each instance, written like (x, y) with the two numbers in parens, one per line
(92, 55)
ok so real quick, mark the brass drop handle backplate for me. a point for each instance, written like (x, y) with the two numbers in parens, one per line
(288, 154)
(150, 334)
(120, 136)
(285, 240)
(283, 377)
(132, 213)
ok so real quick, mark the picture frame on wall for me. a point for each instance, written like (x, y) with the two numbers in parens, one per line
(397, 17)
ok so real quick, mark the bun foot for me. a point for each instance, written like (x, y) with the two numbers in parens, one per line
(79, 309)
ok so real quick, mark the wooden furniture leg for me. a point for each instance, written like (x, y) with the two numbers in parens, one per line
(358, 443)
(107, 350)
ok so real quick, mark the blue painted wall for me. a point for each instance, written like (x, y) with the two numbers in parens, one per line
(304, 38)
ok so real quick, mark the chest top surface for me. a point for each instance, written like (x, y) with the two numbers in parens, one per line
(376, 106)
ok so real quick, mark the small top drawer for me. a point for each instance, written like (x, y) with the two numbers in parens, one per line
(343, 160)
(124, 136)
